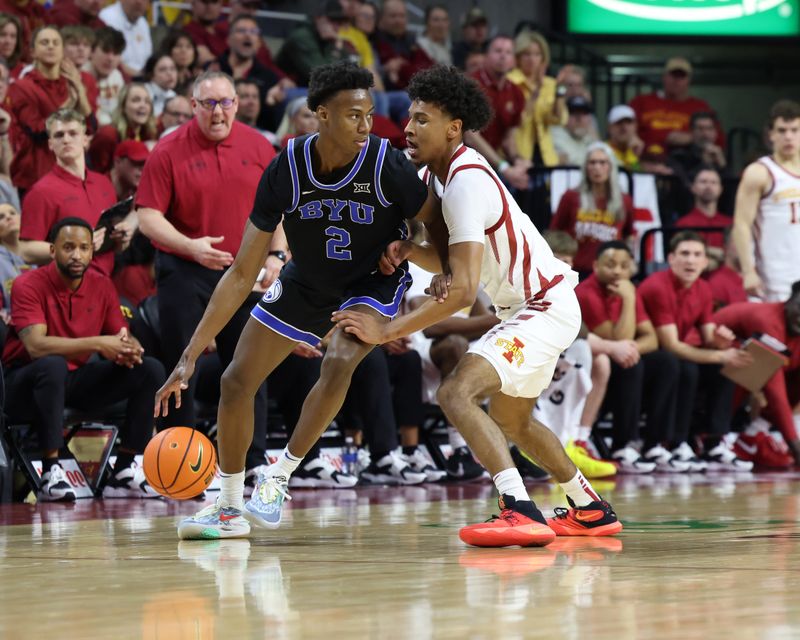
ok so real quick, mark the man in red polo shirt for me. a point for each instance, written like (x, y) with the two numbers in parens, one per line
(496, 141)
(663, 116)
(69, 189)
(61, 315)
(706, 189)
(781, 320)
(195, 196)
(680, 305)
(613, 310)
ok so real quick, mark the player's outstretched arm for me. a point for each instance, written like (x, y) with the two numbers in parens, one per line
(229, 294)
(755, 182)
(465, 261)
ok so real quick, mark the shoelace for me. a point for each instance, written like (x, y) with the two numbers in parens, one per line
(505, 514)
(281, 487)
(561, 512)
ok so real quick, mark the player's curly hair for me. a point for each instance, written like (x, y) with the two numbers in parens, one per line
(328, 80)
(453, 92)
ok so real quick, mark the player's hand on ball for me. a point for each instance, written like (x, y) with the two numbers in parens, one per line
(439, 285)
(394, 255)
(365, 327)
(178, 381)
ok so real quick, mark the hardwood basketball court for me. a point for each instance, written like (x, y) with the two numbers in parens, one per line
(701, 557)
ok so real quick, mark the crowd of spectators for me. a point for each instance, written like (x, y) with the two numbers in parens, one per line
(129, 155)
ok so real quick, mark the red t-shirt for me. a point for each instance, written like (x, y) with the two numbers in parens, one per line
(59, 195)
(216, 42)
(598, 305)
(591, 228)
(748, 318)
(667, 301)
(32, 100)
(507, 101)
(657, 116)
(42, 297)
(726, 287)
(696, 218)
(206, 188)
(66, 12)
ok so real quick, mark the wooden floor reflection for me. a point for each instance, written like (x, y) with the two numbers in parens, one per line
(699, 558)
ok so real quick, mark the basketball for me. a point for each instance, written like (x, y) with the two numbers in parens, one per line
(180, 463)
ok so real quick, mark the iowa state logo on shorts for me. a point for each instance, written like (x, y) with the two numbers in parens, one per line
(513, 350)
(273, 293)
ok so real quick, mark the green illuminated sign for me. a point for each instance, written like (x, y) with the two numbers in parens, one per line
(685, 17)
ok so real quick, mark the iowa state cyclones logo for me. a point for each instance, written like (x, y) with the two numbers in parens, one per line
(513, 350)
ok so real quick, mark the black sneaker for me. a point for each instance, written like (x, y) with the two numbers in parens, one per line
(462, 466)
(391, 469)
(319, 473)
(526, 466)
(54, 487)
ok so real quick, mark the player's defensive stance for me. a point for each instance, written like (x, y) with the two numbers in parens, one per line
(343, 196)
(493, 242)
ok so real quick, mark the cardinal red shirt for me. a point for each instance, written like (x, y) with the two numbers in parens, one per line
(667, 301)
(657, 116)
(726, 287)
(591, 228)
(748, 318)
(42, 297)
(61, 194)
(66, 12)
(598, 305)
(696, 218)
(205, 188)
(32, 100)
(507, 102)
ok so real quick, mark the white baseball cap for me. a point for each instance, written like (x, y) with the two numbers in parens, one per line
(621, 112)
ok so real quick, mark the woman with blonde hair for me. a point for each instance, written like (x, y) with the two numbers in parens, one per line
(132, 119)
(544, 99)
(597, 211)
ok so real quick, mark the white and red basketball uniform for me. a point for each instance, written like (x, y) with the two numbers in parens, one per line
(531, 290)
(776, 233)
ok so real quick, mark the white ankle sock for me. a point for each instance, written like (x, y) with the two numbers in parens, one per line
(231, 491)
(285, 465)
(583, 433)
(509, 482)
(756, 426)
(579, 490)
(455, 438)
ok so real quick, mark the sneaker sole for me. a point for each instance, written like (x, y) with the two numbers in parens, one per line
(316, 483)
(254, 518)
(194, 531)
(527, 535)
(70, 497)
(386, 479)
(609, 529)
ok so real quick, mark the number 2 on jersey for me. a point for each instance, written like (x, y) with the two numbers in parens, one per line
(335, 247)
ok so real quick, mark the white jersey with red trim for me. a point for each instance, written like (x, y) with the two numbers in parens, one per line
(776, 233)
(518, 265)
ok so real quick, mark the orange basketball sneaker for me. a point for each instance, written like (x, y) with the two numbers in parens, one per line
(519, 523)
(595, 519)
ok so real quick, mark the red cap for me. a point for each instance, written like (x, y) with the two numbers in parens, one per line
(133, 150)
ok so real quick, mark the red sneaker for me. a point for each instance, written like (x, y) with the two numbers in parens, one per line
(595, 519)
(520, 523)
(763, 451)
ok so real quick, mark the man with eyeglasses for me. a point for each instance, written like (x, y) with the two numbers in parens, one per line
(239, 61)
(663, 116)
(196, 191)
(177, 110)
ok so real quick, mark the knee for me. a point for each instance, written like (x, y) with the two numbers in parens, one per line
(234, 384)
(601, 369)
(52, 367)
(451, 348)
(453, 393)
(152, 371)
(667, 364)
(338, 367)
